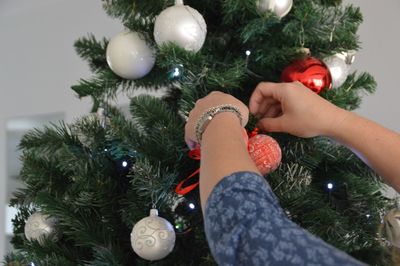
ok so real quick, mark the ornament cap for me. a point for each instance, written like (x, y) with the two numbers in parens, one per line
(350, 57)
(178, 2)
(153, 212)
(305, 51)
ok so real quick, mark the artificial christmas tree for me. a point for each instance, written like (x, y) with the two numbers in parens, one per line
(100, 176)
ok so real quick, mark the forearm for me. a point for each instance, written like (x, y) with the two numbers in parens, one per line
(375, 145)
(223, 152)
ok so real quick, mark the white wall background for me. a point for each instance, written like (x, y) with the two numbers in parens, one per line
(38, 63)
(380, 37)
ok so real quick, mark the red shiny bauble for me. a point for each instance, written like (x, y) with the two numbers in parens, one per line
(310, 71)
(265, 152)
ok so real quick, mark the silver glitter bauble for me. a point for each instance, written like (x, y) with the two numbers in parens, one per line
(280, 7)
(153, 237)
(338, 68)
(392, 227)
(40, 226)
(182, 25)
(129, 56)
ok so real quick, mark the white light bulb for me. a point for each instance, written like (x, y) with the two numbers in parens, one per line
(124, 164)
(176, 72)
(248, 53)
(368, 215)
(330, 186)
(192, 206)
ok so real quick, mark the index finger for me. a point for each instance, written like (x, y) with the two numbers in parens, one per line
(262, 91)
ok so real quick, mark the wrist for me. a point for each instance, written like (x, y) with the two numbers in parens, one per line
(338, 124)
(209, 114)
(225, 123)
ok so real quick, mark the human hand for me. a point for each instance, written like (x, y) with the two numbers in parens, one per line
(213, 99)
(294, 109)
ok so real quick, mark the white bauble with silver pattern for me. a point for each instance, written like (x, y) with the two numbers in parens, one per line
(182, 25)
(153, 237)
(40, 226)
(338, 67)
(280, 7)
(129, 56)
(392, 227)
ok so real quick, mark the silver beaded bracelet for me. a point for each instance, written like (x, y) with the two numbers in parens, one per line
(210, 113)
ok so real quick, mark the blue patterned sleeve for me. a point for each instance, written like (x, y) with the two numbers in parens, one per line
(245, 225)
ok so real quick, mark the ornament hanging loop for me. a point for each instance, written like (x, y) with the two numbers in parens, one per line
(302, 36)
(332, 32)
(178, 2)
(153, 201)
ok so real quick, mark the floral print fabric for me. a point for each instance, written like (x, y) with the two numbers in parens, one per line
(245, 225)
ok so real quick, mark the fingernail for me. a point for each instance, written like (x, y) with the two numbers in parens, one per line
(191, 145)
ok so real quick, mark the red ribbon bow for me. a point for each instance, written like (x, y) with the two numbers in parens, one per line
(195, 155)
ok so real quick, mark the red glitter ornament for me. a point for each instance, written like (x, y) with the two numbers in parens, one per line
(310, 71)
(265, 152)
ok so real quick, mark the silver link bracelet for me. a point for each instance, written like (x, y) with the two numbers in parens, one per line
(210, 113)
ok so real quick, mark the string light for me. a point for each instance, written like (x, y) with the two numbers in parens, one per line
(368, 216)
(178, 226)
(248, 53)
(330, 186)
(192, 206)
(176, 73)
(124, 163)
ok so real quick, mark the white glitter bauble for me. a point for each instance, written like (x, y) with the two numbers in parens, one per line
(40, 226)
(129, 56)
(392, 227)
(338, 68)
(182, 25)
(153, 237)
(280, 7)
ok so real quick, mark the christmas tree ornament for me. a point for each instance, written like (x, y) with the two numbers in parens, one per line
(185, 211)
(338, 69)
(40, 226)
(129, 56)
(280, 7)
(153, 237)
(182, 25)
(265, 152)
(392, 227)
(310, 71)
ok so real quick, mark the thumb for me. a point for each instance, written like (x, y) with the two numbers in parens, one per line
(271, 124)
